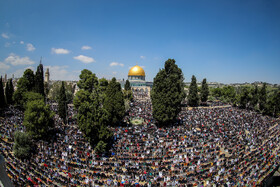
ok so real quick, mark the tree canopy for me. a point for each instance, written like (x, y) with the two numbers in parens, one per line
(167, 93)
(38, 119)
(262, 97)
(92, 116)
(88, 81)
(25, 84)
(22, 147)
(204, 91)
(39, 80)
(9, 91)
(127, 85)
(114, 101)
(2, 96)
(193, 98)
(62, 103)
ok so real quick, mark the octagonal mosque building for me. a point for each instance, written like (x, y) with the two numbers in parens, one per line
(136, 77)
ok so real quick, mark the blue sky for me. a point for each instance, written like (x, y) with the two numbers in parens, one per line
(224, 41)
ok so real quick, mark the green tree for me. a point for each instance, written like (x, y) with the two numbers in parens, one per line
(88, 81)
(22, 146)
(229, 93)
(2, 97)
(255, 96)
(54, 91)
(127, 85)
(30, 83)
(167, 93)
(103, 83)
(38, 119)
(114, 101)
(216, 92)
(39, 80)
(9, 91)
(262, 97)
(245, 97)
(31, 96)
(193, 98)
(25, 84)
(204, 91)
(92, 117)
(62, 103)
(276, 103)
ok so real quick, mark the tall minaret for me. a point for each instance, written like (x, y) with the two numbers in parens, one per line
(47, 76)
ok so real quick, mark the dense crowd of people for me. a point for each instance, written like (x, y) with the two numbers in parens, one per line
(207, 146)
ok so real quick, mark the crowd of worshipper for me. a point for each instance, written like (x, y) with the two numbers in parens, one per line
(140, 94)
(206, 147)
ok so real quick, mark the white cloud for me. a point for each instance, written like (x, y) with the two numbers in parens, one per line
(30, 47)
(86, 47)
(84, 59)
(61, 73)
(142, 57)
(116, 64)
(16, 60)
(7, 44)
(3, 67)
(21, 42)
(4, 35)
(114, 72)
(60, 51)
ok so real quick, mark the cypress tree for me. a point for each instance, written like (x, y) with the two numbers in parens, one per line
(39, 80)
(2, 97)
(114, 101)
(62, 103)
(9, 91)
(193, 95)
(204, 91)
(127, 85)
(167, 93)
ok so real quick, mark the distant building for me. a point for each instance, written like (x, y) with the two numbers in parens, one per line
(47, 76)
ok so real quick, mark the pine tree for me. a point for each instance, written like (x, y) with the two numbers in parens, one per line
(193, 98)
(9, 91)
(39, 80)
(127, 85)
(204, 91)
(167, 93)
(114, 101)
(262, 97)
(2, 97)
(62, 103)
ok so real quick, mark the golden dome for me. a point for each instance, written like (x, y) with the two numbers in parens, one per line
(136, 71)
